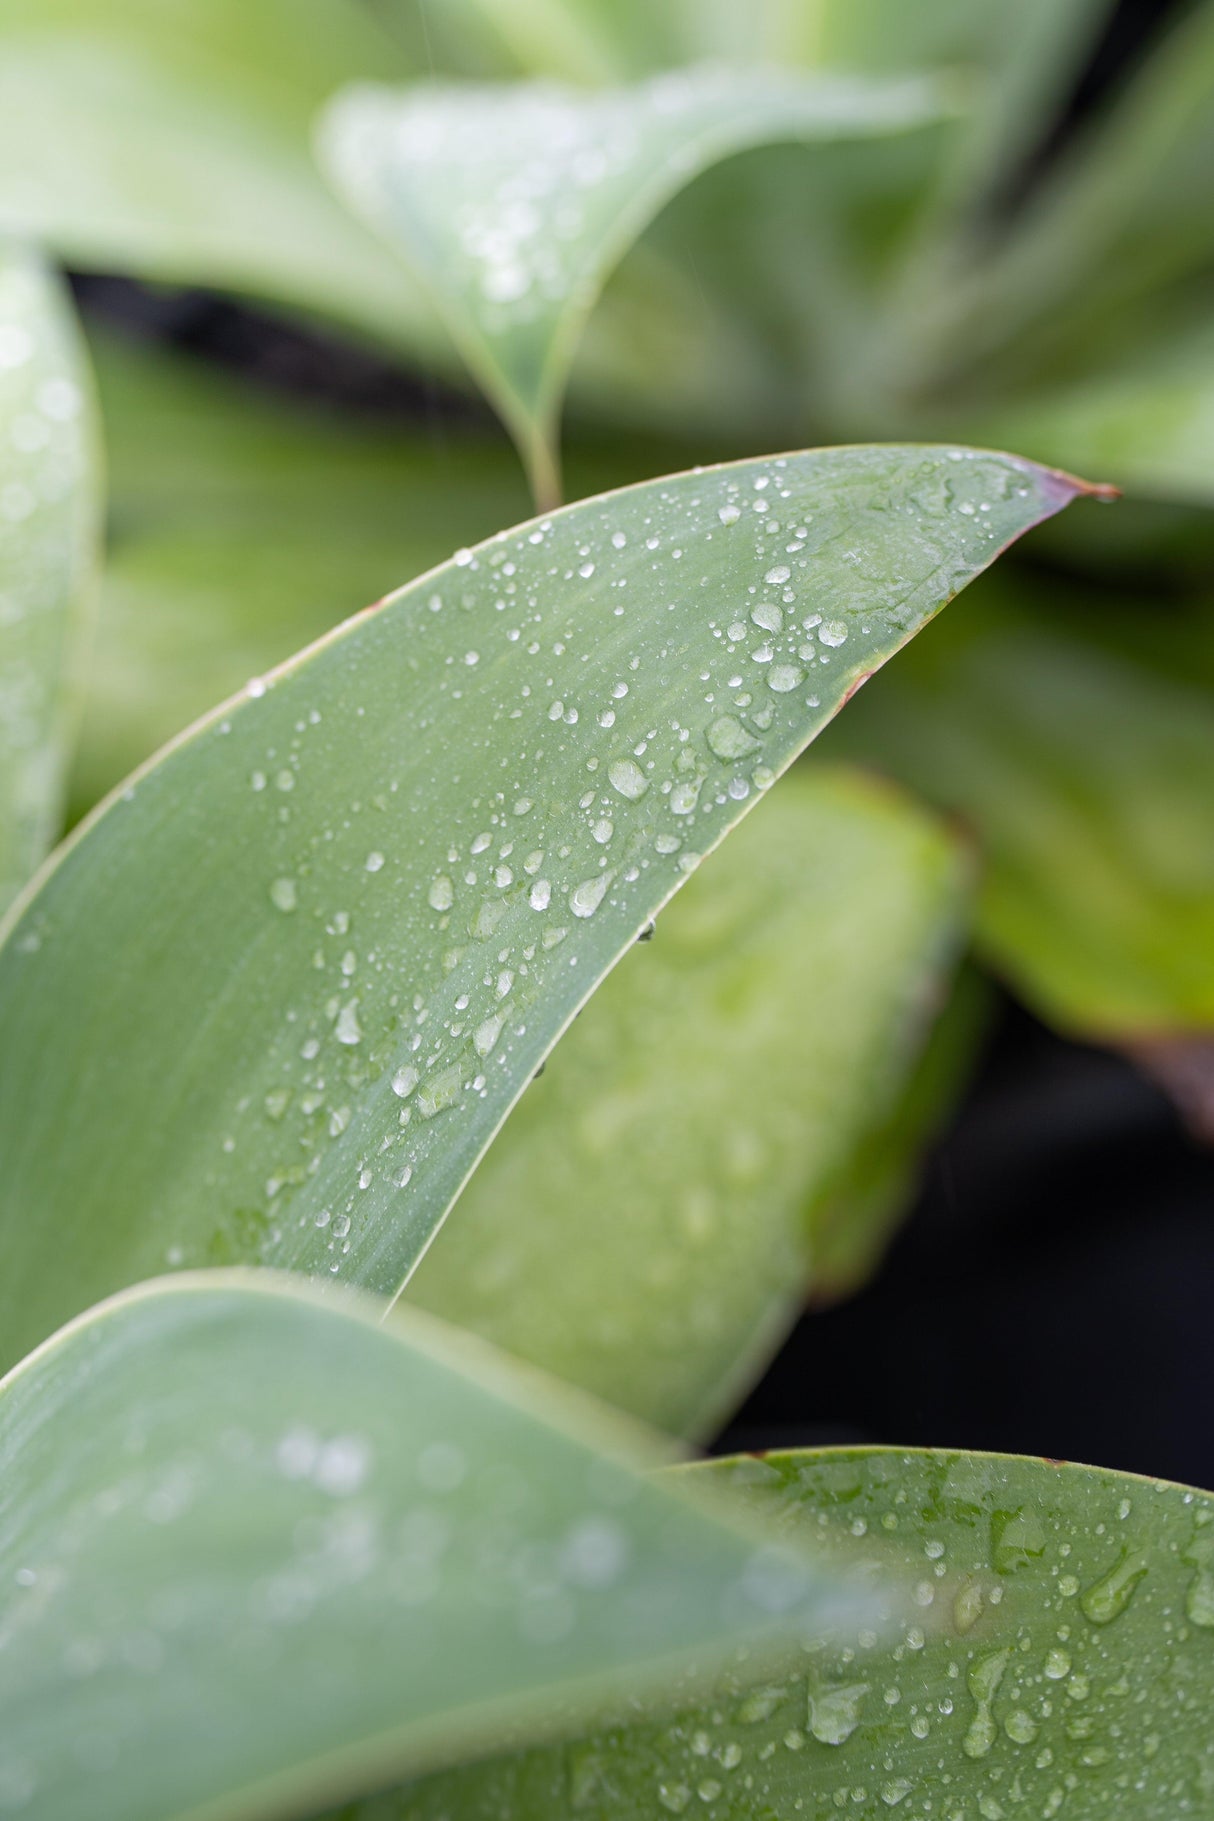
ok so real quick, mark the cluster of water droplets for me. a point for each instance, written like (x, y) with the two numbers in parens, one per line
(1050, 1652)
(519, 193)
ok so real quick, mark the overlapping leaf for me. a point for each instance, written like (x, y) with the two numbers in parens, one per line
(49, 488)
(1082, 764)
(514, 203)
(259, 1551)
(311, 957)
(648, 1222)
(1058, 1659)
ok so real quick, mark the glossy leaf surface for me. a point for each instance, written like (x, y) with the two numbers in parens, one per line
(1057, 1658)
(49, 504)
(259, 1550)
(514, 203)
(1082, 764)
(311, 957)
(647, 1223)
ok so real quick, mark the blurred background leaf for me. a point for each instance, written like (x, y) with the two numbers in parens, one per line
(649, 1220)
(50, 487)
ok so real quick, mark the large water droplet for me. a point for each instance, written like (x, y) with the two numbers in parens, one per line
(834, 1713)
(1108, 1599)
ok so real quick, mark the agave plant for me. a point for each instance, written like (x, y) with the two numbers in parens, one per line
(311, 1492)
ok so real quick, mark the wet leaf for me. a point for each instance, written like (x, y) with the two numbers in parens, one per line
(514, 203)
(1055, 1658)
(242, 527)
(647, 1224)
(49, 507)
(281, 950)
(1076, 739)
(260, 1551)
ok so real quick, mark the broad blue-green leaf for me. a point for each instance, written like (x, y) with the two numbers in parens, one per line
(1059, 1662)
(1079, 748)
(259, 1551)
(242, 527)
(49, 487)
(513, 203)
(310, 958)
(648, 1222)
(171, 141)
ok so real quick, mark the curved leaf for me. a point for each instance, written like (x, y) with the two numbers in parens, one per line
(514, 203)
(259, 1551)
(243, 527)
(647, 1224)
(1083, 767)
(172, 142)
(49, 508)
(310, 958)
(1058, 1661)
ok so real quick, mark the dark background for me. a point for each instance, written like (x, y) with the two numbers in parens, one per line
(1051, 1290)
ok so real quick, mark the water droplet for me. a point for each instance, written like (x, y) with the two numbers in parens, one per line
(1057, 1665)
(1017, 1537)
(283, 895)
(374, 861)
(983, 1680)
(585, 898)
(834, 1713)
(487, 1034)
(1199, 1600)
(404, 1081)
(729, 515)
(783, 677)
(441, 893)
(1108, 1599)
(833, 632)
(1020, 1727)
(768, 616)
(780, 573)
(728, 738)
(627, 777)
(348, 1029)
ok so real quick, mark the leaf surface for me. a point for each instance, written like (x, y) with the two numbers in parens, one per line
(310, 957)
(1056, 1658)
(513, 203)
(49, 507)
(647, 1223)
(259, 1551)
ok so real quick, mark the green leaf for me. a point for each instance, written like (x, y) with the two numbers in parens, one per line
(310, 958)
(1117, 224)
(1079, 747)
(260, 1551)
(49, 507)
(243, 527)
(647, 1223)
(858, 1218)
(172, 142)
(514, 203)
(1057, 1659)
